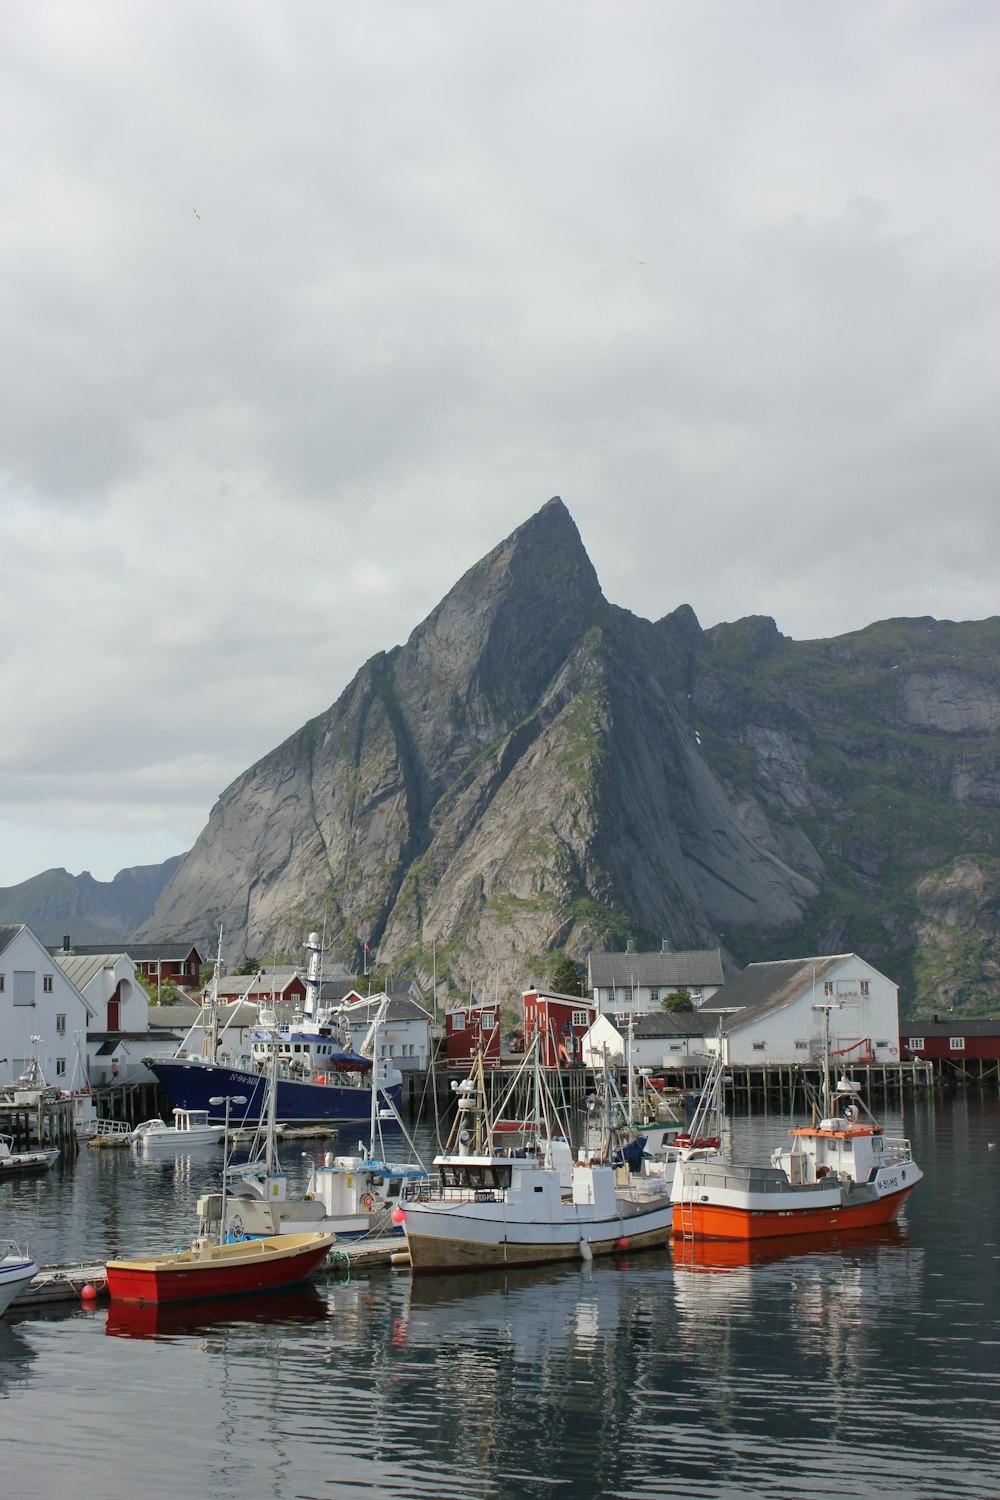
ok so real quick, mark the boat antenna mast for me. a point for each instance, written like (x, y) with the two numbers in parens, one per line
(826, 1098)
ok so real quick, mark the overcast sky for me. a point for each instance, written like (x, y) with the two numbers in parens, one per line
(304, 307)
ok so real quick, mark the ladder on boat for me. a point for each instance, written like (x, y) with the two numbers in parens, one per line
(684, 1222)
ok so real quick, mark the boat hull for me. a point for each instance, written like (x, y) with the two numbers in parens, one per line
(446, 1239)
(27, 1163)
(717, 1221)
(213, 1270)
(15, 1273)
(192, 1085)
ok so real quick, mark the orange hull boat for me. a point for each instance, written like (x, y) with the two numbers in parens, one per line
(712, 1221)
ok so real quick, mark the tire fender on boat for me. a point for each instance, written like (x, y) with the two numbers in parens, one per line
(368, 1201)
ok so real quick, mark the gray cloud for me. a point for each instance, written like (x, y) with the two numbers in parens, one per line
(304, 310)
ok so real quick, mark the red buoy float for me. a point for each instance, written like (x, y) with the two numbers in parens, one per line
(623, 1242)
(88, 1292)
(398, 1215)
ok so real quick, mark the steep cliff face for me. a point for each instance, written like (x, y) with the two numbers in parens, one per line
(536, 769)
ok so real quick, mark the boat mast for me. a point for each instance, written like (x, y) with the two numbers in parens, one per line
(314, 975)
(213, 1048)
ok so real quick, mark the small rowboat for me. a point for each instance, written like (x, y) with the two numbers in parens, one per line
(209, 1269)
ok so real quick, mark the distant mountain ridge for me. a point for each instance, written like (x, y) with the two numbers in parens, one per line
(55, 903)
(536, 768)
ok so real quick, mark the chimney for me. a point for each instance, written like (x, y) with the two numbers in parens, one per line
(664, 945)
(66, 942)
(630, 945)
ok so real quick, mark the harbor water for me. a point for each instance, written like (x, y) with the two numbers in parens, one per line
(827, 1370)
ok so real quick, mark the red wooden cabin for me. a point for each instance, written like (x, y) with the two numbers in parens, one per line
(469, 1027)
(563, 1021)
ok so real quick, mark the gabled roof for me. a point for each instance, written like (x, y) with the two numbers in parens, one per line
(400, 1008)
(954, 1026)
(8, 934)
(140, 953)
(696, 968)
(763, 988)
(269, 983)
(694, 1023)
(80, 968)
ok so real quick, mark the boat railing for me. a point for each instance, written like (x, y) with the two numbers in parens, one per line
(745, 1179)
(896, 1151)
(111, 1128)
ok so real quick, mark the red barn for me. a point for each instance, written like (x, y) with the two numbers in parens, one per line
(470, 1028)
(563, 1021)
(951, 1045)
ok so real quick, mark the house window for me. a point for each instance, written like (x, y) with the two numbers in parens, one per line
(654, 997)
(759, 1046)
(801, 1046)
(3, 983)
(828, 987)
(956, 1043)
(488, 1021)
(916, 1044)
(579, 1018)
(24, 987)
(47, 984)
(458, 1021)
(60, 1025)
(60, 1067)
(882, 1044)
(864, 986)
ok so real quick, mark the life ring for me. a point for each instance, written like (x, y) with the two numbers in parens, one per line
(368, 1201)
(893, 1050)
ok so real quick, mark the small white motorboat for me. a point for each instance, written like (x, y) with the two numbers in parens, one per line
(16, 1270)
(24, 1163)
(191, 1127)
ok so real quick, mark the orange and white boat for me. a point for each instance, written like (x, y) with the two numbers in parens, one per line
(840, 1173)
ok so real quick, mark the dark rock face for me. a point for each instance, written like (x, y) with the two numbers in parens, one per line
(536, 769)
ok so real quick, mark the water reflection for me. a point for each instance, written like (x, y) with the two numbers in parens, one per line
(169, 1320)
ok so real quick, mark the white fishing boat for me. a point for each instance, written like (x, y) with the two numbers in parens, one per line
(346, 1195)
(16, 1270)
(24, 1163)
(190, 1128)
(528, 1203)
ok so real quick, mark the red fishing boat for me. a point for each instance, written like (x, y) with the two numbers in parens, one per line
(841, 1173)
(210, 1269)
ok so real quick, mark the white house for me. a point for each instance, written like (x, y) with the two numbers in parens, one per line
(118, 1036)
(661, 1039)
(782, 1005)
(43, 1016)
(405, 1034)
(639, 982)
